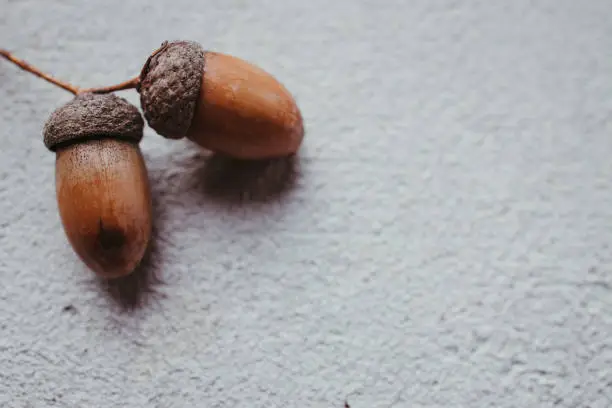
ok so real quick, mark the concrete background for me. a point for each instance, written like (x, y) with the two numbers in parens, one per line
(446, 243)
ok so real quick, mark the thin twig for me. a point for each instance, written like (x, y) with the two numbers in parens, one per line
(27, 67)
(129, 84)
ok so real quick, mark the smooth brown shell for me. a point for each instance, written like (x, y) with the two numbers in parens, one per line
(104, 202)
(244, 112)
(221, 102)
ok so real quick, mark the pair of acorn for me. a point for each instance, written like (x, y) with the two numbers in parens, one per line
(220, 102)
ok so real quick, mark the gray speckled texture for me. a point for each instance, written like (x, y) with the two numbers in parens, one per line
(448, 243)
(170, 84)
(88, 115)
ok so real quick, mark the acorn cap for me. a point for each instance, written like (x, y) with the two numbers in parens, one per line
(93, 115)
(170, 83)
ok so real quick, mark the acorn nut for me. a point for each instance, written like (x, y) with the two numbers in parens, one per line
(220, 102)
(101, 179)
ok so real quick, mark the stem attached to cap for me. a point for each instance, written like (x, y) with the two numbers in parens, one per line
(129, 84)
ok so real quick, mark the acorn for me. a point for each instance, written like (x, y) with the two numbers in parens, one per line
(102, 186)
(220, 102)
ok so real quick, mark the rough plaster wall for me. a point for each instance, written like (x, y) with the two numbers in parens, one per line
(446, 245)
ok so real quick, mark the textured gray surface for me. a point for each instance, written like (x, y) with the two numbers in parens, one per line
(447, 244)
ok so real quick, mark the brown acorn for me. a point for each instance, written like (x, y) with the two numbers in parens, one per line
(220, 102)
(101, 181)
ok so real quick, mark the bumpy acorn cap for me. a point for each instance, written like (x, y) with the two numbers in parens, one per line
(170, 83)
(89, 116)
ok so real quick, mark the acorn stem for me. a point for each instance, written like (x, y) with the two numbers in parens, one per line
(27, 67)
(129, 84)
